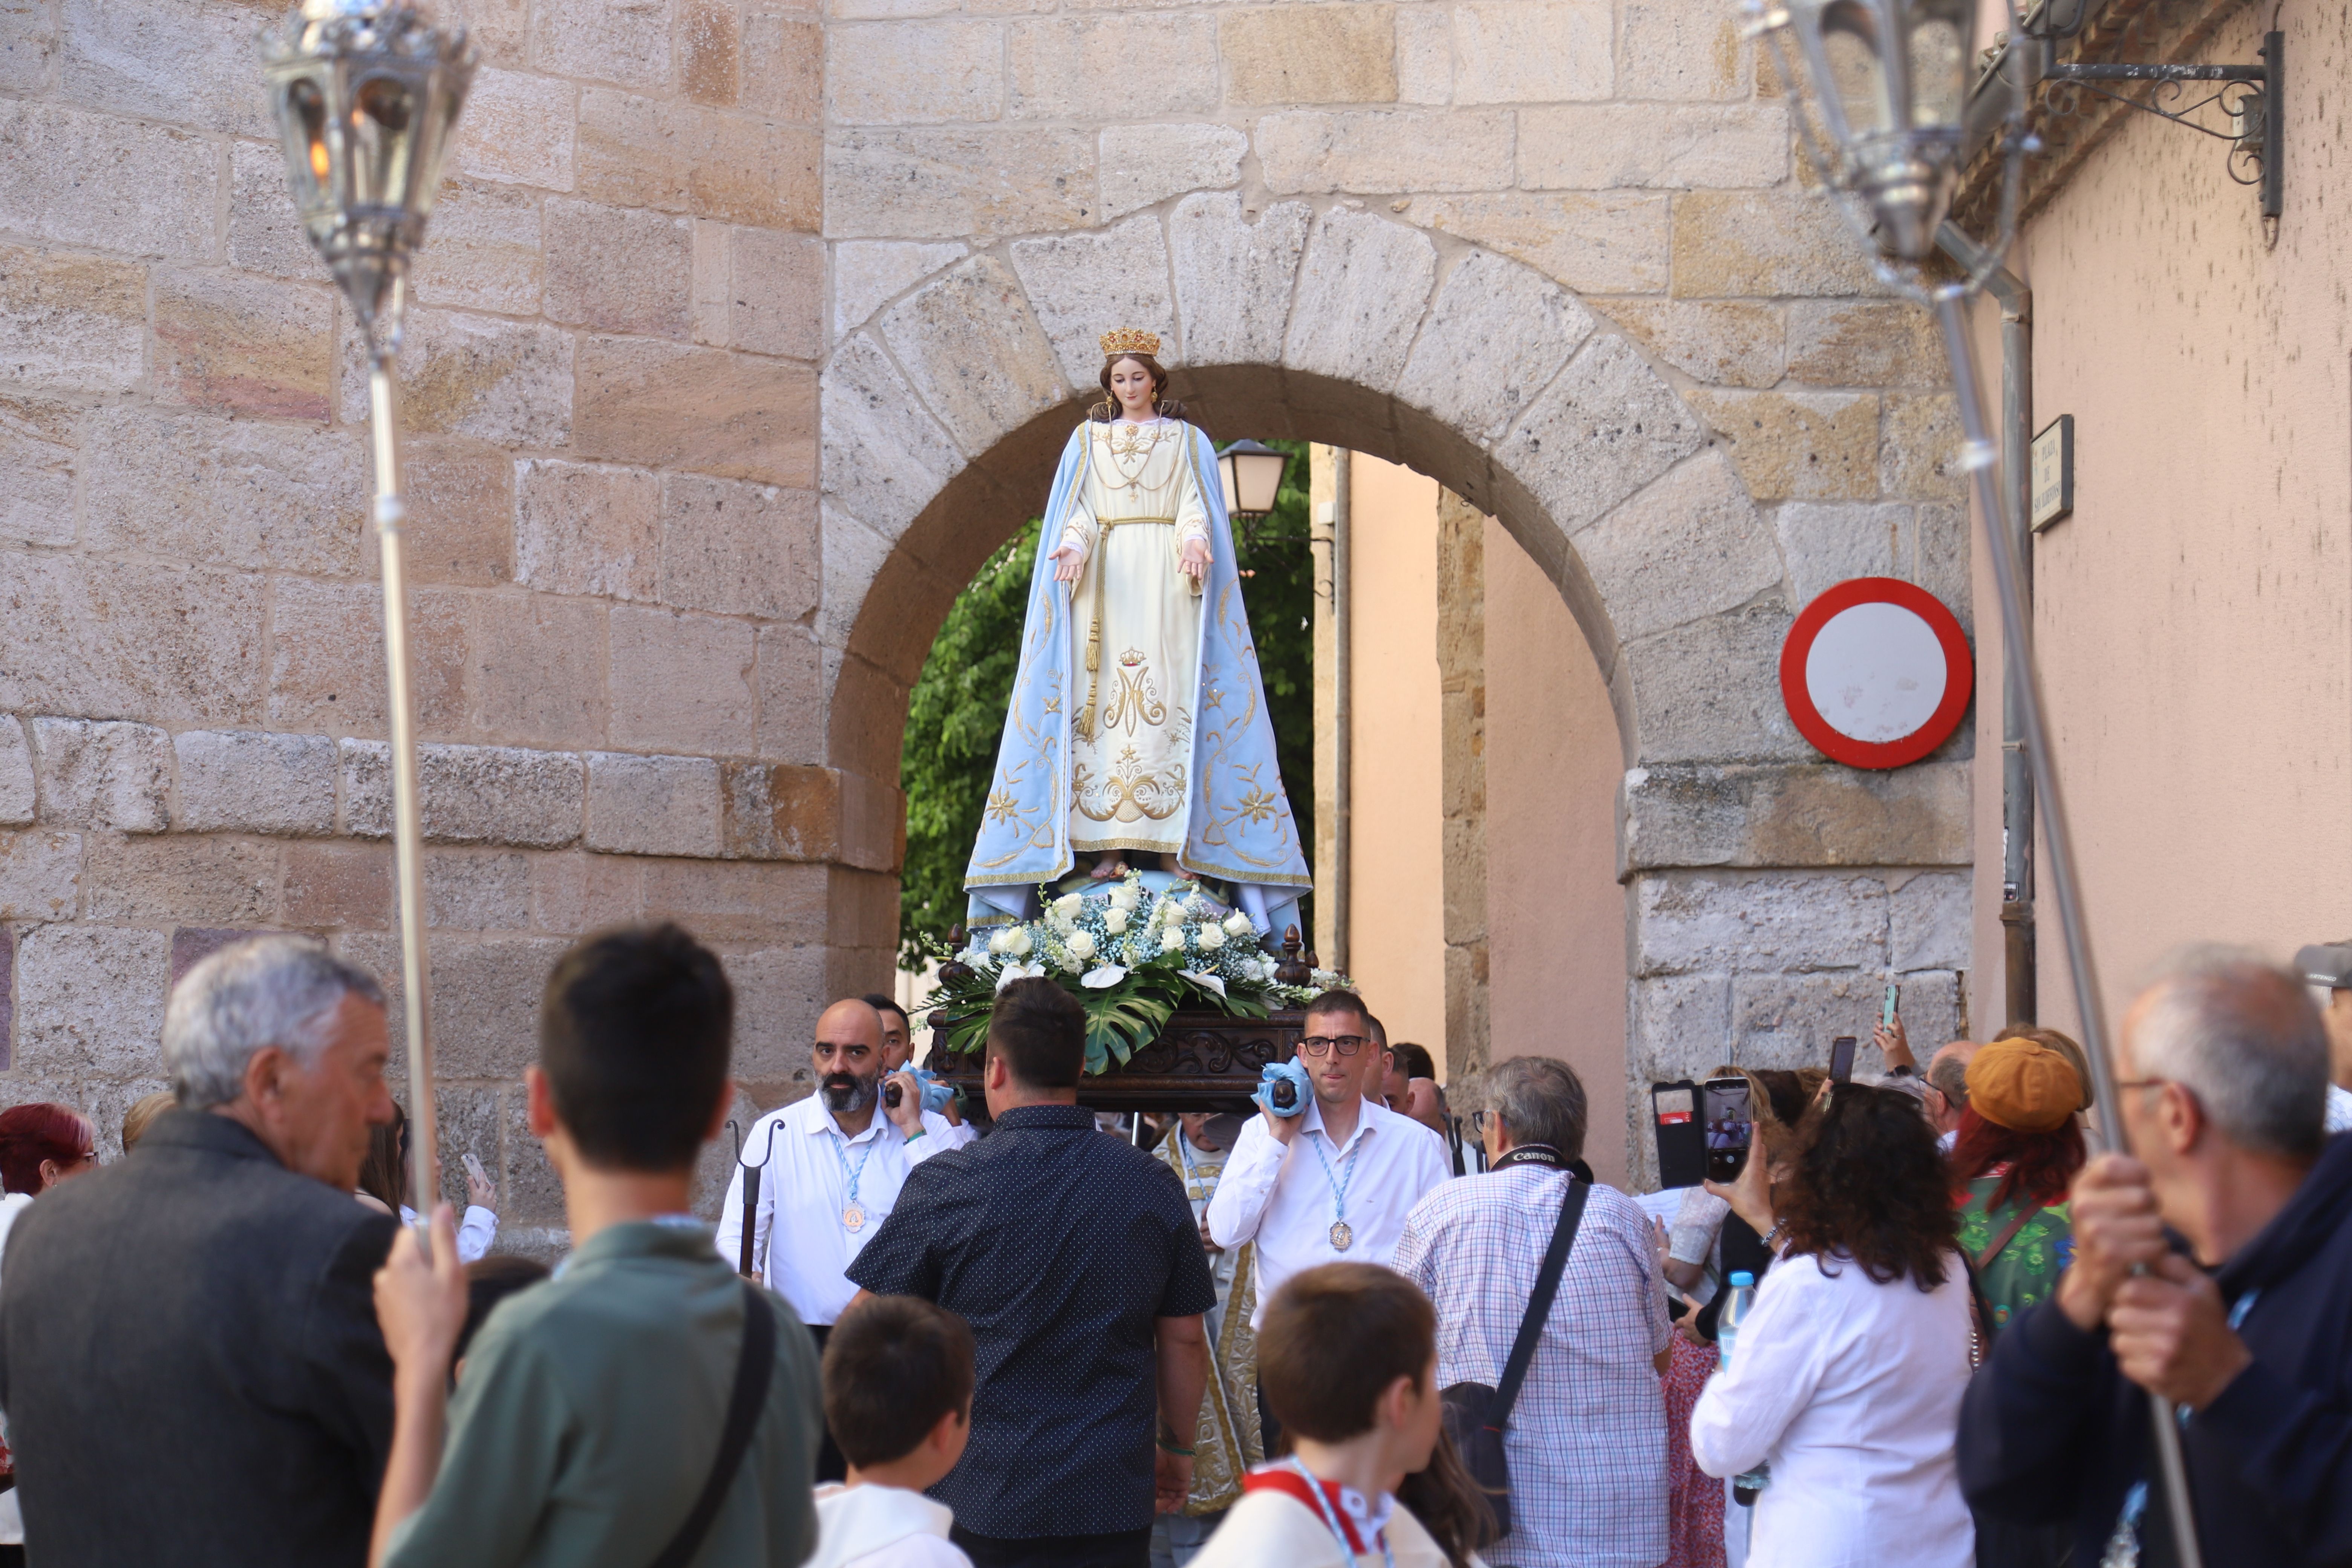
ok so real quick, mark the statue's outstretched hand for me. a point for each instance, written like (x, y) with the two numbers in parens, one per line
(1069, 562)
(1194, 560)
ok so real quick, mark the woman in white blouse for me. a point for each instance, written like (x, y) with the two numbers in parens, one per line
(1846, 1376)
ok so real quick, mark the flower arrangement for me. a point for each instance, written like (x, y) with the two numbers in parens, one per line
(1131, 956)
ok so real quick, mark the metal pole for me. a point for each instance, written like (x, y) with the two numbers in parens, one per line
(1341, 879)
(2017, 641)
(408, 820)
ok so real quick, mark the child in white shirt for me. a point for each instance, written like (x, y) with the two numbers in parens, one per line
(898, 1399)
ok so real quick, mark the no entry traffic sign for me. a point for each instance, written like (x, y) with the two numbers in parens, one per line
(1877, 672)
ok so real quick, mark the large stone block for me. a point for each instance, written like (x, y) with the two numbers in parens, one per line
(1727, 344)
(1144, 165)
(336, 886)
(1531, 51)
(960, 183)
(461, 506)
(1919, 447)
(1495, 337)
(1711, 691)
(179, 877)
(627, 44)
(90, 999)
(243, 345)
(1374, 152)
(1837, 342)
(223, 492)
(619, 269)
(915, 73)
(869, 273)
(469, 795)
(1681, 1027)
(1309, 54)
(682, 681)
(1789, 1020)
(1688, 545)
(776, 812)
(1085, 67)
(40, 875)
(189, 64)
(1076, 282)
(1928, 921)
(784, 64)
(28, 58)
(683, 158)
(1608, 426)
(99, 775)
(779, 992)
(743, 416)
(1764, 921)
(486, 997)
(737, 549)
(739, 900)
(1803, 445)
(521, 129)
(1361, 289)
(856, 558)
(538, 669)
(37, 470)
(177, 644)
(710, 52)
(17, 796)
(792, 700)
(1592, 147)
(1235, 272)
(1669, 50)
(759, 290)
(653, 805)
(1757, 244)
(587, 528)
(326, 658)
(255, 782)
(265, 233)
(488, 252)
(1806, 814)
(499, 380)
(884, 455)
(71, 324)
(1825, 543)
(981, 361)
(92, 179)
(576, 891)
(1608, 242)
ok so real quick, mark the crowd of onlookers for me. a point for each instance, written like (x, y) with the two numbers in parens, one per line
(1923, 1324)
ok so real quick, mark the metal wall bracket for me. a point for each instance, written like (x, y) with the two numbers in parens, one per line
(2250, 96)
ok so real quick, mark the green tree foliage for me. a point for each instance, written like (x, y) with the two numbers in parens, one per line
(955, 716)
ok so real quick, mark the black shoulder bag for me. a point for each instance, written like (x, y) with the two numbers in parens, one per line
(1476, 1414)
(754, 1370)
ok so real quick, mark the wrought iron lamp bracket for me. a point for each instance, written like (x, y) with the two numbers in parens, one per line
(2249, 95)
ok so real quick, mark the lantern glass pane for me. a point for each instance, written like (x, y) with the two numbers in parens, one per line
(303, 124)
(1851, 41)
(1232, 491)
(382, 112)
(1260, 480)
(1939, 83)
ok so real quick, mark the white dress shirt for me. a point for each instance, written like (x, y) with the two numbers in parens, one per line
(799, 1246)
(474, 1232)
(1281, 1197)
(1852, 1391)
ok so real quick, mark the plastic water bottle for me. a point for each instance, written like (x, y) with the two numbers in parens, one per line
(1736, 1308)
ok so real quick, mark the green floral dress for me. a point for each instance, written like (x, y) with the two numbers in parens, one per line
(2026, 1271)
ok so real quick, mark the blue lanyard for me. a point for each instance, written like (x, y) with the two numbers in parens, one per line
(841, 1152)
(1339, 1185)
(1331, 1517)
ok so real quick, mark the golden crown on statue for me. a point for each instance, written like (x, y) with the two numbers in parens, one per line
(1129, 341)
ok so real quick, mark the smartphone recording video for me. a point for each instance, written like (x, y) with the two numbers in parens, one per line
(1842, 1058)
(1731, 1128)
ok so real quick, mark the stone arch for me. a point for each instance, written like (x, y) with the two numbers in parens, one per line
(945, 406)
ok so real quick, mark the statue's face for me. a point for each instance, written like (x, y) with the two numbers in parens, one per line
(1131, 384)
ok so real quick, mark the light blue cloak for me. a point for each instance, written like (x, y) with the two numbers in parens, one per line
(1237, 824)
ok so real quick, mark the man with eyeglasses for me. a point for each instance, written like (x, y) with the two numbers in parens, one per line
(1334, 1182)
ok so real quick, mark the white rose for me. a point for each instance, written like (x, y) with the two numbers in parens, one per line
(1172, 942)
(1115, 919)
(1016, 942)
(1212, 938)
(1001, 941)
(1238, 924)
(1068, 905)
(1122, 898)
(1081, 945)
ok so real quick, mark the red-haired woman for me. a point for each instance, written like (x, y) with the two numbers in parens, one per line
(40, 1145)
(2017, 1152)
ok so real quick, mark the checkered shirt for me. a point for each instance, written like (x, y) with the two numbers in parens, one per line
(1587, 1439)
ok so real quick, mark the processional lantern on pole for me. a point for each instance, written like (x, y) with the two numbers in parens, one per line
(367, 95)
(1885, 86)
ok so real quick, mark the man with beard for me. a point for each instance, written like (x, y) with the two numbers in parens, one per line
(829, 1168)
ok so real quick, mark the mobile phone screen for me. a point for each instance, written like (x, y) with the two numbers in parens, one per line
(1842, 1058)
(1729, 1127)
(1894, 996)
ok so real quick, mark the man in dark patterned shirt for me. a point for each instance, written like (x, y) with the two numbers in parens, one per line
(1076, 1260)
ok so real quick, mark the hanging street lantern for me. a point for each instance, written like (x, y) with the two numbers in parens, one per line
(1888, 83)
(1253, 475)
(367, 95)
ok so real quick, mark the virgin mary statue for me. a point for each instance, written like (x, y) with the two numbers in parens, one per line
(1137, 724)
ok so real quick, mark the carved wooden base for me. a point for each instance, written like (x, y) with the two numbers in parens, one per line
(1201, 1061)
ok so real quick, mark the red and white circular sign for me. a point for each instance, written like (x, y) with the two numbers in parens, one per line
(1877, 672)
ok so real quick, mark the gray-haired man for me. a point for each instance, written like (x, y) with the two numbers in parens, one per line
(189, 1355)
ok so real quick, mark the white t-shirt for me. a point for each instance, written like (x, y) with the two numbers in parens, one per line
(883, 1527)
